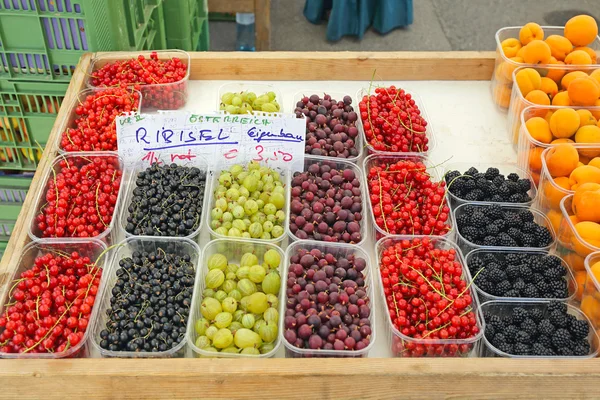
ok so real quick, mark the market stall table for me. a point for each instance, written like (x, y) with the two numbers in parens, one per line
(455, 90)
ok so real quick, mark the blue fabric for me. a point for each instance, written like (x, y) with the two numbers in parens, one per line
(354, 17)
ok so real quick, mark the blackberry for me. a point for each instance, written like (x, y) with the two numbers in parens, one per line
(474, 195)
(494, 212)
(516, 198)
(491, 173)
(496, 275)
(478, 220)
(539, 349)
(476, 263)
(519, 284)
(557, 306)
(581, 349)
(529, 326)
(543, 236)
(529, 227)
(490, 241)
(503, 190)
(526, 216)
(559, 289)
(490, 331)
(471, 171)
(521, 349)
(462, 220)
(501, 224)
(492, 230)
(545, 341)
(519, 314)
(470, 233)
(561, 338)
(525, 272)
(469, 184)
(513, 272)
(552, 261)
(497, 338)
(496, 198)
(536, 314)
(529, 240)
(498, 180)
(558, 319)
(513, 177)
(450, 176)
(496, 321)
(505, 347)
(505, 240)
(513, 187)
(469, 209)
(537, 264)
(502, 288)
(537, 278)
(566, 351)
(514, 233)
(524, 185)
(512, 293)
(579, 329)
(545, 327)
(511, 333)
(530, 291)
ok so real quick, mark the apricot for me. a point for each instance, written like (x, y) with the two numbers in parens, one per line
(584, 91)
(555, 217)
(564, 123)
(578, 57)
(561, 160)
(583, 158)
(589, 232)
(528, 79)
(506, 69)
(596, 75)
(574, 261)
(549, 87)
(561, 99)
(530, 32)
(561, 140)
(584, 174)
(588, 134)
(538, 52)
(586, 118)
(559, 46)
(539, 129)
(586, 201)
(581, 30)
(535, 159)
(591, 53)
(555, 72)
(510, 47)
(594, 162)
(548, 115)
(570, 77)
(580, 278)
(555, 191)
(502, 95)
(595, 270)
(591, 308)
(538, 97)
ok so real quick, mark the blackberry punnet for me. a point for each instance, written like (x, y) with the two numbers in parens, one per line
(489, 186)
(528, 330)
(509, 275)
(488, 225)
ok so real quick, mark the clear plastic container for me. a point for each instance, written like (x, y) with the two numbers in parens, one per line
(110, 234)
(518, 103)
(87, 248)
(429, 131)
(505, 169)
(503, 308)
(124, 249)
(233, 249)
(68, 122)
(340, 164)
(398, 342)
(358, 141)
(338, 250)
(213, 177)
(501, 254)
(163, 96)
(197, 162)
(258, 88)
(502, 80)
(538, 218)
(590, 301)
(388, 158)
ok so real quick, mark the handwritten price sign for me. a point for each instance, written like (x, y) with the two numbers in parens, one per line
(277, 141)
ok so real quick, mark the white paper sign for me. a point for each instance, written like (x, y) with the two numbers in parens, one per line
(277, 141)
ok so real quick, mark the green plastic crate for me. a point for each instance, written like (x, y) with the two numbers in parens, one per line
(12, 195)
(44, 39)
(186, 24)
(27, 114)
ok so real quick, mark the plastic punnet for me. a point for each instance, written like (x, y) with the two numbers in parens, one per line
(429, 131)
(358, 140)
(501, 253)
(398, 342)
(110, 234)
(338, 250)
(590, 299)
(340, 164)
(13, 190)
(503, 308)
(179, 246)
(159, 96)
(233, 249)
(87, 248)
(387, 159)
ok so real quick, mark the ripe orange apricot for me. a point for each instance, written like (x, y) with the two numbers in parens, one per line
(584, 174)
(530, 32)
(561, 160)
(539, 129)
(596, 110)
(559, 46)
(538, 97)
(570, 77)
(528, 79)
(562, 140)
(578, 57)
(549, 87)
(588, 134)
(585, 202)
(535, 160)
(502, 95)
(564, 123)
(554, 192)
(574, 261)
(510, 47)
(561, 99)
(556, 72)
(586, 118)
(594, 162)
(505, 70)
(591, 52)
(590, 235)
(584, 91)
(537, 52)
(580, 278)
(581, 30)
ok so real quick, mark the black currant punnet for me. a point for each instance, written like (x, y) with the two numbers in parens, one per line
(150, 302)
(537, 334)
(490, 186)
(167, 201)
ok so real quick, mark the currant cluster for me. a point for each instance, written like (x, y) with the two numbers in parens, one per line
(330, 126)
(327, 303)
(427, 298)
(150, 302)
(141, 71)
(547, 330)
(326, 204)
(81, 197)
(50, 304)
(489, 186)
(520, 275)
(406, 201)
(492, 225)
(95, 127)
(393, 122)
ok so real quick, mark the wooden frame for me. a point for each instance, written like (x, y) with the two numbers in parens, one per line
(291, 378)
(262, 15)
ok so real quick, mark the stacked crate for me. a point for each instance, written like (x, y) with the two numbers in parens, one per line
(186, 24)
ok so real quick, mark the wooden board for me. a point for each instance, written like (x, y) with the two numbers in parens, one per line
(292, 378)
